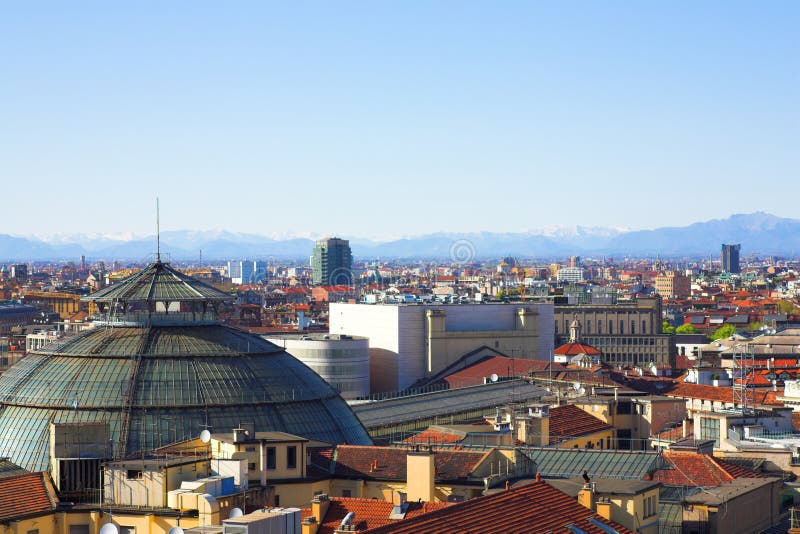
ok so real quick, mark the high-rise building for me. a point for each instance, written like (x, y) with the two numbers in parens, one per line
(574, 261)
(19, 272)
(730, 258)
(241, 272)
(332, 262)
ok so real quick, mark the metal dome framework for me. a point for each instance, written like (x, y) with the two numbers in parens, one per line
(158, 377)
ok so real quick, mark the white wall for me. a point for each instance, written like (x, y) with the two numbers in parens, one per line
(397, 333)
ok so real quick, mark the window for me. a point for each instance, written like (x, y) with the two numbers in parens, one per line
(277, 500)
(599, 326)
(134, 474)
(650, 506)
(251, 466)
(621, 326)
(250, 449)
(633, 327)
(709, 429)
(291, 457)
(644, 327)
(347, 493)
(271, 458)
(610, 326)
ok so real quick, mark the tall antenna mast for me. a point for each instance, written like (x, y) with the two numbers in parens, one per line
(158, 232)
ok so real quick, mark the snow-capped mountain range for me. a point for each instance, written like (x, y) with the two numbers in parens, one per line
(757, 232)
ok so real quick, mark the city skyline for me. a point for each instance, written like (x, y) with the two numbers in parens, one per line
(388, 121)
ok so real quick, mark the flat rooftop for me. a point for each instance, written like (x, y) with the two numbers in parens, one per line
(572, 486)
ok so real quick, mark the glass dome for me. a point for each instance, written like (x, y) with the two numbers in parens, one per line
(157, 382)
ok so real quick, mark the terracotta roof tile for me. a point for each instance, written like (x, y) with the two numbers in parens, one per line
(499, 365)
(369, 513)
(435, 437)
(389, 463)
(569, 421)
(573, 349)
(535, 507)
(25, 495)
(696, 469)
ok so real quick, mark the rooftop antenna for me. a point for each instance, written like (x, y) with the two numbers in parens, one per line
(158, 232)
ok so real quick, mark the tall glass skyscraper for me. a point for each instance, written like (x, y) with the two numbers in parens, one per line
(730, 258)
(332, 262)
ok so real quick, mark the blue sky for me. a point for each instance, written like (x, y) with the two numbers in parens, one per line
(392, 118)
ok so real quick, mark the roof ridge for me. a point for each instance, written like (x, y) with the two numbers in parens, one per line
(710, 459)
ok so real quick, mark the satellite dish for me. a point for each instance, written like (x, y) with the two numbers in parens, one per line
(582, 391)
(493, 377)
(576, 386)
(175, 530)
(236, 512)
(205, 437)
(109, 528)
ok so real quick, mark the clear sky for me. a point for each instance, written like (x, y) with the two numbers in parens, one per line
(380, 118)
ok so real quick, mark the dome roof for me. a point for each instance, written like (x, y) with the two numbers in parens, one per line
(158, 282)
(156, 383)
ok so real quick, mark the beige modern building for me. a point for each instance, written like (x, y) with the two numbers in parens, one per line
(411, 341)
(673, 284)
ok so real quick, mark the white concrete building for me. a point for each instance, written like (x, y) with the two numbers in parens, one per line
(570, 274)
(410, 341)
(341, 360)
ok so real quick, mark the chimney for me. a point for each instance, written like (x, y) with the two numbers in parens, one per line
(603, 508)
(683, 428)
(535, 428)
(420, 474)
(586, 496)
(319, 507)
(240, 435)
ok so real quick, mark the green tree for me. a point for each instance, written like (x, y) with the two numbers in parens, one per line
(726, 330)
(667, 328)
(788, 307)
(686, 329)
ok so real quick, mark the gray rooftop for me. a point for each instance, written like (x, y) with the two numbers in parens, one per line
(569, 463)
(723, 493)
(441, 403)
(158, 282)
(611, 486)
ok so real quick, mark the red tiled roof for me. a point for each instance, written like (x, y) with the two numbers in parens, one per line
(573, 349)
(569, 421)
(369, 513)
(357, 461)
(320, 459)
(676, 433)
(25, 495)
(499, 365)
(435, 437)
(695, 469)
(700, 391)
(536, 507)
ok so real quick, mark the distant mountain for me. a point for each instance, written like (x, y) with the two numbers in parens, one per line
(757, 232)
